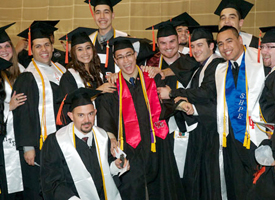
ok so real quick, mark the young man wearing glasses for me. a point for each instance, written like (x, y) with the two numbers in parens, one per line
(132, 115)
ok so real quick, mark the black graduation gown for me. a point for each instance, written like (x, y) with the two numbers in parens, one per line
(27, 129)
(207, 142)
(56, 180)
(58, 56)
(158, 170)
(67, 85)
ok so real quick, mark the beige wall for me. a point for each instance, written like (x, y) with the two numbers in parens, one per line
(131, 16)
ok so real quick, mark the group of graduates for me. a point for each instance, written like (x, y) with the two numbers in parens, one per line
(115, 117)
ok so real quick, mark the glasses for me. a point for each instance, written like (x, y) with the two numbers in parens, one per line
(267, 47)
(127, 56)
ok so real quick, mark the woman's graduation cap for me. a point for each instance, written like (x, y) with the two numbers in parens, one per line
(79, 35)
(110, 3)
(79, 97)
(3, 35)
(243, 7)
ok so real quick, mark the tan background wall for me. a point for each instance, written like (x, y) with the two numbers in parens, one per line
(131, 16)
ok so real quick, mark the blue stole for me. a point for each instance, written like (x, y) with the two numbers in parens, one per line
(236, 100)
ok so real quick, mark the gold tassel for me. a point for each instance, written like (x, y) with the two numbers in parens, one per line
(224, 140)
(153, 147)
(248, 142)
(245, 140)
(121, 144)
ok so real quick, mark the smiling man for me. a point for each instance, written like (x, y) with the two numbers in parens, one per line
(233, 13)
(76, 162)
(34, 120)
(103, 17)
(238, 83)
(132, 115)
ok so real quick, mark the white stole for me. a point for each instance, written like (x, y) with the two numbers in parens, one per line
(82, 179)
(246, 38)
(49, 107)
(102, 57)
(11, 155)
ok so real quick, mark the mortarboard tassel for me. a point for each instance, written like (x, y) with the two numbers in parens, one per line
(154, 41)
(67, 50)
(107, 54)
(258, 174)
(259, 47)
(189, 41)
(91, 10)
(58, 117)
(29, 42)
(245, 139)
(248, 142)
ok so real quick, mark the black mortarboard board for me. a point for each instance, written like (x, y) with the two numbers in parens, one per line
(165, 29)
(3, 35)
(199, 32)
(243, 7)
(110, 3)
(81, 97)
(122, 43)
(38, 30)
(50, 22)
(185, 19)
(4, 64)
(269, 34)
(79, 35)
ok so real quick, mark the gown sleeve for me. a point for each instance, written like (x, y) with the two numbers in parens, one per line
(26, 117)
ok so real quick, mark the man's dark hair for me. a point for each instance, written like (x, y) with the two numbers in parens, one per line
(111, 7)
(233, 29)
(209, 41)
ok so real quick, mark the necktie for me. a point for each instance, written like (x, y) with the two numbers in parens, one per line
(235, 71)
(132, 81)
(85, 139)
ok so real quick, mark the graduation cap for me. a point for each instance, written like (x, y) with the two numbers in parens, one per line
(79, 97)
(35, 31)
(3, 35)
(4, 64)
(243, 7)
(49, 22)
(122, 43)
(110, 3)
(165, 29)
(199, 32)
(79, 35)
(269, 34)
(185, 19)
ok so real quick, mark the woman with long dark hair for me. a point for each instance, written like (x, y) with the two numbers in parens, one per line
(11, 162)
(84, 68)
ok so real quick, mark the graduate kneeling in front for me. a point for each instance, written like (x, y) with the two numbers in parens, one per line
(75, 160)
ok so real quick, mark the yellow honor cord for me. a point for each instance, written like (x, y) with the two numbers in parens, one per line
(95, 38)
(153, 144)
(101, 169)
(224, 105)
(58, 68)
(120, 128)
(74, 137)
(247, 132)
(6, 78)
(43, 118)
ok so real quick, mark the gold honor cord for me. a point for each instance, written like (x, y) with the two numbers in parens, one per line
(6, 78)
(120, 128)
(267, 132)
(43, 118)
(57, 67)
(99, 158)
